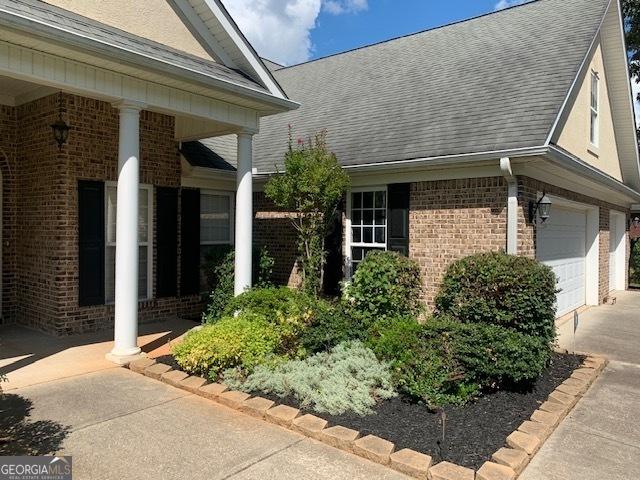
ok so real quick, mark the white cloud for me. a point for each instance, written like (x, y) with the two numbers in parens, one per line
(502, 4)
(337, 7)
(280, 30)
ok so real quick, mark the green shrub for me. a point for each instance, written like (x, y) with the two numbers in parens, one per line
(330, 326)
(496, 288)
(386, 284)
(445, 361)
(634, 271)
(424, 365)
(219, 269)
(494, 356)
(349, 378)
(243, 341)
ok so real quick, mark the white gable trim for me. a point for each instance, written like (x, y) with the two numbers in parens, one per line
(209, 20)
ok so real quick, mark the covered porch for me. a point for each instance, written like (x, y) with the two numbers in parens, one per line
(92, 119)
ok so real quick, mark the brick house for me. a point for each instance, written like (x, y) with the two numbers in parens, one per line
(451, 137)
(131, 80)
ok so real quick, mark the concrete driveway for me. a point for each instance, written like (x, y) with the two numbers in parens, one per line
(600, 439)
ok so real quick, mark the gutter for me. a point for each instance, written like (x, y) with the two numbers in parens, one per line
(119, 53)
(570, 162)
(512, 205)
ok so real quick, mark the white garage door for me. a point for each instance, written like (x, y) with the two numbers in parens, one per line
(562, 246)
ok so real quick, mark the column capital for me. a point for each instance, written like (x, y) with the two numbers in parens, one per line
(129, 105)
(247, 132)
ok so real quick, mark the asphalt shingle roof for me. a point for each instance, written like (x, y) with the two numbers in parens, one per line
(52, 16)
(495, 82)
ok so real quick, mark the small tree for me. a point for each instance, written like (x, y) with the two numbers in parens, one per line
(311, 187)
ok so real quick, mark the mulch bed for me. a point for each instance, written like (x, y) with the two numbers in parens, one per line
(471, 433)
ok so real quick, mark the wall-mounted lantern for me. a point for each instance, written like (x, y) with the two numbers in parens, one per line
(541, 208)
(60, 128)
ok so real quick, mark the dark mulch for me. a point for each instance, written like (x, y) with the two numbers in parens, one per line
(471, 433)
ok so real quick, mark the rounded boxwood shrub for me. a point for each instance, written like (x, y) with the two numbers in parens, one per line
(386, 284)
(330, 326)
(506, 290)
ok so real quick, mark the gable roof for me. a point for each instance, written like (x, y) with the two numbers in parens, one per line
(493, 83)
(212, 25)
(72, 27)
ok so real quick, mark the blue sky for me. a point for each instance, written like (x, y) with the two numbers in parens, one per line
(386, 19)
(294, 31)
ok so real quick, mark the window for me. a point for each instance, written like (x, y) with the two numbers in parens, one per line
(216, 225)
(145, 259)
(368, 216)
(595, 109)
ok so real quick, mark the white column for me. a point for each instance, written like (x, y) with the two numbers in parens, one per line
(126, 285)
(244, 215)
(512, 206)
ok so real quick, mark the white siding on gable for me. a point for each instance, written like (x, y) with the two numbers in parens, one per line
(152, 19)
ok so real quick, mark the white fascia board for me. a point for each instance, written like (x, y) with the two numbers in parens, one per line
(121, 54)
(574, 164)
(239, 40)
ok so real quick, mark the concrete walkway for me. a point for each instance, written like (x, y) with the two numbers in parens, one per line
(600, 439)
(120, 425)
(28, 357)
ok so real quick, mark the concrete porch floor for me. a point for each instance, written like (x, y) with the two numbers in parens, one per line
(29, 357)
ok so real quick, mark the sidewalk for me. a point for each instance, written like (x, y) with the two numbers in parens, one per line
(600, 439)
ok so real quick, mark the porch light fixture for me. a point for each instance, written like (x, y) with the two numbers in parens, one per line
(541, 208)
(60, 128)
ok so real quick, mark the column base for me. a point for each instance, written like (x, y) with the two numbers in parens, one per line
(124, 360)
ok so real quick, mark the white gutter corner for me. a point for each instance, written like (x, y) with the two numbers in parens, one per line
(512, 205)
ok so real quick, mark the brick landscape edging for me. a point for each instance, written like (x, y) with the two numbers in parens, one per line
(506, 464)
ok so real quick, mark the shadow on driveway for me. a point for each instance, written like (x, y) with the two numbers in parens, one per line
(20, 436)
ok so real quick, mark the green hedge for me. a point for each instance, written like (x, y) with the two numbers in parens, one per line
(386, 284)
(445, 361)
(506, 290)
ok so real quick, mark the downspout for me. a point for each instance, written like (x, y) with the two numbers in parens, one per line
(512, 205)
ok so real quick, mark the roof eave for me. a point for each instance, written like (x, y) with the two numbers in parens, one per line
(272, 103)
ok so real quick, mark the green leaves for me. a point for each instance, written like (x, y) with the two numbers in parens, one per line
(312, 186)
(496, 288)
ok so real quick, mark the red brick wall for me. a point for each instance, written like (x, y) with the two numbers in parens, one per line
(8, 209)
(272, 228)
(48, 179)
(450, 219)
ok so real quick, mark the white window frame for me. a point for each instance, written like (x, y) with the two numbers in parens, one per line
(232, 215)
(349, 243)
(594, 112)
(148, 243)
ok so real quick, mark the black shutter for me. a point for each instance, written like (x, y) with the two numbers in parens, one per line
(333, 272)
(167, 242)
(90, 243)
(398, 235)
(190, 243)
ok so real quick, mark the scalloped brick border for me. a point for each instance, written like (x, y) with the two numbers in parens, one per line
(506, 464)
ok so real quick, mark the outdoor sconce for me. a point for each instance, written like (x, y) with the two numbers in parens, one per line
(60, 128)
(541, 208)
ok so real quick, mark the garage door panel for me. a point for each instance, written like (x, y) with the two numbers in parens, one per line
(562, 246)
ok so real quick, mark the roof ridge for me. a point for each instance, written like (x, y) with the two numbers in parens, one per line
(412, 34)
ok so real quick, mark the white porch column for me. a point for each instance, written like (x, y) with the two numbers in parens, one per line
(244, 214)
(126, 285)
